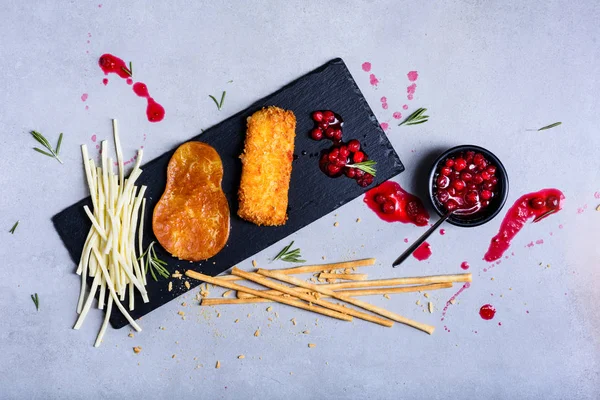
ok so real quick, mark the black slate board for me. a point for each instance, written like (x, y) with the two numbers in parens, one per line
(312, 194)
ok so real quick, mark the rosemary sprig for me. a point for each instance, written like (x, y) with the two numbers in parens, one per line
(415, 118)
(544, 215)
(153, 263)
(549, 126)
(36, 301)
(128, 71)
(367, 166)
(288, 255)
(12, 230)
(218, 103)
(44, 142)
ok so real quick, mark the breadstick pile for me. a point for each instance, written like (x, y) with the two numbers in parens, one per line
(311, 296)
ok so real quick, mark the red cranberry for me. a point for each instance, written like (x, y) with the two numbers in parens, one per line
(451, 191)
(478, 158)
(482, 165)
(350, 172)
(486, 194)
(323, 125)
(337, 135)
(466, 176)
(412, 209)
(316, 134)
(487, 185)
(537, 203)
(317, 116)
(458, 185)
(494, 180)
(491, 170)
(333, 169)
(388, 207)
(472, 197)
(469, 155)
(471, 186)
(379, 199)
(329, 132)
(552, 202)
(442, 182)
(460, 164)
(446, 171)
(334, 154)
(451, 205)
(354, 145)
(485, 203)
(472, 167)
(478, 179)
(359, 173)
(366, 180)
(358, 157)
(449, 163)
(443, 196)
(340, 162)
(328, 116)
(344, 152)
(485, 176)
(421, 220)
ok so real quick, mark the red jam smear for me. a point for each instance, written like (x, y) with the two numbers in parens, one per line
(536, 206)
(111, 64)
(393, 204)
(487, 311)
(465, 183)
(423, 252)
(339, 159)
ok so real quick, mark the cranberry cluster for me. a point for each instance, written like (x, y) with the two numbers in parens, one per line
(551, 202)
(413, 208)
(338, 159)
(466, 182)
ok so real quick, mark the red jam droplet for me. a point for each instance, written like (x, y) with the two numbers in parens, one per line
(423, 252)
(464, 265)
(406, 208)
(536, 206)
(487, 311)
(111, 64)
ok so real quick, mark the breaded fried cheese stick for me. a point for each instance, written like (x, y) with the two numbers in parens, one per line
(267, 166)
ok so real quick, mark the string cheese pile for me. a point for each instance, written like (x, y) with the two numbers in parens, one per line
(109, 252)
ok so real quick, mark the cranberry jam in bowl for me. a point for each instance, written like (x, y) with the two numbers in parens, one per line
(471, 182)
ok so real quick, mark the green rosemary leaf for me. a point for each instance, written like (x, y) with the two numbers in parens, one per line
(414, 117)
(59, 143)
(41, 139)
(366, 166)
(36, 301)
(289, 256)
(43, 152)
(12, 230)
(549, 126)
(222, 99)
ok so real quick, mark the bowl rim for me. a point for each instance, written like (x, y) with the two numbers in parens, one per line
(503, 176)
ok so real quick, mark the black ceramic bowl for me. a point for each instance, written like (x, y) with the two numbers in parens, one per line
(496, 203)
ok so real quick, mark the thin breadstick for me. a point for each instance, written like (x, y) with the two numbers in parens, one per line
(279, 299)
(365, 292)
(346, 277)
(307, 297)
(358, 292)
(351, 300)
(314, 268)
(417, 280)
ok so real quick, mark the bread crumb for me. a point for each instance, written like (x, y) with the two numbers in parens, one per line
(548, 266)
(176, 275)
(430, 306)
(173, 356)
(218, 365)
(509, 288)
(130, 335)
(269, 308)
(241, 357)
(187, 285)
(598, 208)
(248, 315)
(311, 345)
(227, 293)
(195, 358)
(218, 315)
(276, 314)
(163, 328)
(270, 319)
(293, 321)
(257, 333)
(181, 313)
(184, 304)
(452, 301)
(426, 295)
(387, 296)
(313, 279)
(137, 349)
(418, 302)
(323, 257)
(170, 287)
(336, 224)
(357, 219)
(492, 278)
(236, 321)
(306, 332)
(254, 264)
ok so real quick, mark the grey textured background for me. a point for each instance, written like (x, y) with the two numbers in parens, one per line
(488, 71)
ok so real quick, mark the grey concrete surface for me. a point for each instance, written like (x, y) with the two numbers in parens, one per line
(489, 72)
